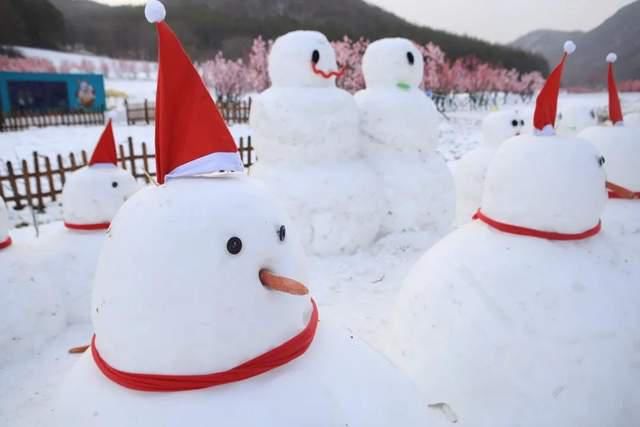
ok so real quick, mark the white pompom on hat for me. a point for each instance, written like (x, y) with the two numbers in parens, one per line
(612, 57)
(154, 11)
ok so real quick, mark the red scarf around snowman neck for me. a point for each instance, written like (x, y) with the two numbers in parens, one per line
(87, 227)
(532, 232)
(274, 358)
(5, 243)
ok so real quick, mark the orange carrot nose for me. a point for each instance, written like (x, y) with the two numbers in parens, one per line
(282, 284)
(620, 191)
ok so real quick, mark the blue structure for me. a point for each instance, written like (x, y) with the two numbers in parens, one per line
(50, 92)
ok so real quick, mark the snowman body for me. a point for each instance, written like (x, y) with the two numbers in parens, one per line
(5, 239)
(516, 330)
(399, 130)
(632, 119)
(620, 146)
(470, 170)
(305, 132)
(91, 197)
(196, 305)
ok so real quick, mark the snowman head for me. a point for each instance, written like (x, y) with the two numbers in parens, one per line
(393, 63)
(499, 126)
(93, 194)
(4, 226)
(549, 183)
(198, 275)
(620, 144)
(303, 59)
(572, 119)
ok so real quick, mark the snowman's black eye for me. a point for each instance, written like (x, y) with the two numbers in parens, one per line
(521, 122)
(410, 58)
(559, 116)
(114, 184)
(593, 114)
(514, 123)
(282, 233)
(601, 160)
(315, 56)
(234, 245)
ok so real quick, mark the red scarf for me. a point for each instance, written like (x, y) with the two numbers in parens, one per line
(87, 227)
(6, 243)
(531, 232)
(616, 191)
(281, 355)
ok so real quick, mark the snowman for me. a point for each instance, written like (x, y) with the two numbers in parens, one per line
(519, 318)
(91, 197)
(305, 131)
(573, 117)
(31, 310)
(399, 126)
(200, 310)
(620, 146)
(470, 171)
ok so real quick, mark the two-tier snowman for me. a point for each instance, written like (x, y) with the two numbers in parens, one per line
(305, 131)
(200, 312)
(91, 197)
(574, 117)
(399, 126)
(469, 172)
(520, 318)
(620, 146)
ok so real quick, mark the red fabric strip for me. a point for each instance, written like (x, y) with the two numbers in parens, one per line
(6, 243)
(531, 232)
(284, 353)
(87, 227)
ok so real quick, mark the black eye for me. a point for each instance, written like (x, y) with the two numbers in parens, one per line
(521, 122)
(593, 114)
(514, 123)
(114, 184)
(601, 160)
(282, 233)
(315, 57)
(234, 245)
(410, 58)
(559, 116)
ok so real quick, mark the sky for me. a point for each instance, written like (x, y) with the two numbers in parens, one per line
(498, 21)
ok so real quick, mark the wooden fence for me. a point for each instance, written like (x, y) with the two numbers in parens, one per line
(23, 120)
(233, 112)
(39, 181)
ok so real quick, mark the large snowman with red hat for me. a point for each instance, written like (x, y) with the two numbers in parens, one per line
(399, 126)
(305, 131)
(469, 172)
(520, 318)
(620, 146)
(200, 310)
(90, 198)
(5, 238)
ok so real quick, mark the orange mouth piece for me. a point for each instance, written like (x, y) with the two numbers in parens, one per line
(327, 74)
(619, 192)
(281, 283)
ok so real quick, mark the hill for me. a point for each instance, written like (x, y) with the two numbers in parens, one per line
(206, 26)
(619, 33)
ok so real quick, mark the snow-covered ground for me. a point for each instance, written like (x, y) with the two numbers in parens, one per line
(358, 289)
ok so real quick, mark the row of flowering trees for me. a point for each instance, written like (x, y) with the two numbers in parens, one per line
(441, 75)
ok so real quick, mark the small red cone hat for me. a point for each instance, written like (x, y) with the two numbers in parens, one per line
(191, 136)
(544, 118)
(105, 151)
(615, 109)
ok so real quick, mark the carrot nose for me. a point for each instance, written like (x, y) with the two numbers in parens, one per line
(282, 284)
(620, 191)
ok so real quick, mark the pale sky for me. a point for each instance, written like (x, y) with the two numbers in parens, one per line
(494, 20)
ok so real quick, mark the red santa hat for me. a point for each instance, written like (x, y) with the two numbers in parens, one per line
(615, 109)
(191, 136)
(544, 118)
(105, 151)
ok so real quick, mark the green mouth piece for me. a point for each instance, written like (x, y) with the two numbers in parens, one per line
(403, 85)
